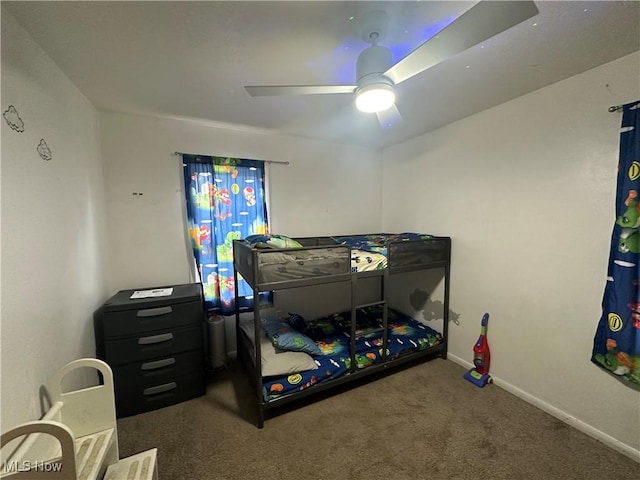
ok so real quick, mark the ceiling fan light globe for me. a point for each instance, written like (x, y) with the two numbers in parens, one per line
(375, 98)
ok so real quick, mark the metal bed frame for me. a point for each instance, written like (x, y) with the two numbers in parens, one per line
(402, 256)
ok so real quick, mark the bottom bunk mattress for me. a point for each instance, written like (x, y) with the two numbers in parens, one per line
(332, 335)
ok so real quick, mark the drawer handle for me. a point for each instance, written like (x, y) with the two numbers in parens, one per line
(158, 364)
(155, 339)
(159, 389)
(154, 312)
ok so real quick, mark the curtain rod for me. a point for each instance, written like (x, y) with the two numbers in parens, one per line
(265, 161)
(615, 108)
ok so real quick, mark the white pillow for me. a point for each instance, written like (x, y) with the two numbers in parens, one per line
(278, 363)
(283, 362)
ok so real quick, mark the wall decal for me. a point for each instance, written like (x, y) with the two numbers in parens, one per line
(44, 151)
(13, 119)
(431, 309)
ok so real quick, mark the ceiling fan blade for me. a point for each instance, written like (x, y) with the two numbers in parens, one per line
(275, 90)
(481, 22)
(389, 118)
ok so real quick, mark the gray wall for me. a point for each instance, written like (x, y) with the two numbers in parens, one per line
(526, 190)
(53, 225)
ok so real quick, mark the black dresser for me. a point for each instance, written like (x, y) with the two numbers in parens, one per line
(154, 345)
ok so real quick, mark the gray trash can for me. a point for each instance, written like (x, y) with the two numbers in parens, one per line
(217, 342)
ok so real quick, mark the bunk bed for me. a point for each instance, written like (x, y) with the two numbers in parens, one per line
(344, 346)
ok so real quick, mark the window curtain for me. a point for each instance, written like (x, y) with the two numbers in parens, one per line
(616, 345)
(225, 199)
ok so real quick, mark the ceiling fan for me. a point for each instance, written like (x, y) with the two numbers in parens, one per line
(376, 76)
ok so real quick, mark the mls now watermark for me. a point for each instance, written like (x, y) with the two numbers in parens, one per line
(27, 466)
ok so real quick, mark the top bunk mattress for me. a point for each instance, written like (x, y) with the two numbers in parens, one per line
(378, 242)
(298, 263)
(283, 259)
(407, 249)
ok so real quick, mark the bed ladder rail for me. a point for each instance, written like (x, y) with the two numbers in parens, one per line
(371, 304)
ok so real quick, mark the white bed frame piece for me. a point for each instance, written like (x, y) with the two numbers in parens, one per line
(77, 438)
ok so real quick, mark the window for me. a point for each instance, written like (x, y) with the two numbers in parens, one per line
(226, 201)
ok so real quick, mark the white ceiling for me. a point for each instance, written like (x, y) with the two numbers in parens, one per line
(192, 59)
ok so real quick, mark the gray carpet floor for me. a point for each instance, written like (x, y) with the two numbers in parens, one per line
(422, 422)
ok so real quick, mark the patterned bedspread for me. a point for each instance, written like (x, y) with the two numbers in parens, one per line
(364, 261)
(378, 242)
(332, 335)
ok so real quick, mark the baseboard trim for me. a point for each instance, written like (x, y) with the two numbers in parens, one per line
(570, 420)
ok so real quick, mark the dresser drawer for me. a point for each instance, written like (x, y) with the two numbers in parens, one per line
(159, 370)
(149, 319)
(134, 399)
(153, 345)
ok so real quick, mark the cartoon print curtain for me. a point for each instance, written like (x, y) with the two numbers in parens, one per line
(616, 345)
(225, 201)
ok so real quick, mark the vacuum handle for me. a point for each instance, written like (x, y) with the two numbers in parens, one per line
(485, 320)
